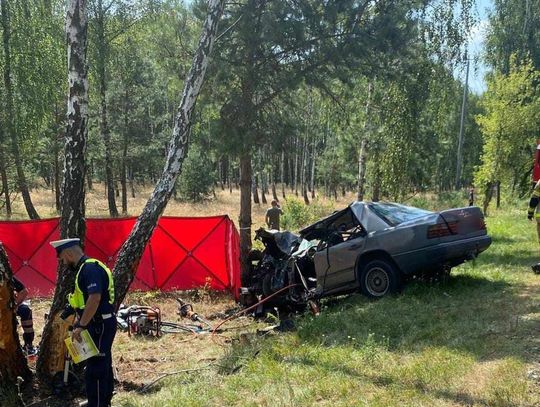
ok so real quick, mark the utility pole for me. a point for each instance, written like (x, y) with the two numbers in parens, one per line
(461, 126)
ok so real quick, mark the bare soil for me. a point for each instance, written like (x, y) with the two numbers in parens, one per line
(141, 360)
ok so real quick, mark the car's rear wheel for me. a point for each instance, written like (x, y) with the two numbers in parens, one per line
(379, 278)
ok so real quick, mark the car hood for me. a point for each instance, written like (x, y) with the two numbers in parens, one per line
(357, 213)
(278, 244)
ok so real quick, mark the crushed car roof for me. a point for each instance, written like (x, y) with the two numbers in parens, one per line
(358, 213)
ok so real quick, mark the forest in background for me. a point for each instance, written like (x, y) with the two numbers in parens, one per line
(379, 114)
(396, 119)
(314, 97)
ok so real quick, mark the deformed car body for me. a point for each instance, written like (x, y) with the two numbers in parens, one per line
(368, 246)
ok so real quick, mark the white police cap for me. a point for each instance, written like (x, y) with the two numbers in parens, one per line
(60, 245)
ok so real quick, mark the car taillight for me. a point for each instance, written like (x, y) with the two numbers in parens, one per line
(482, 224)
(453, 226)
(442, 230)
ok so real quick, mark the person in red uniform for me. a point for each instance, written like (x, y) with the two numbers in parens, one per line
(533, 212)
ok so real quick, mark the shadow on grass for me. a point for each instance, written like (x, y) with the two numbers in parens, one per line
(521, 257)
(382, 380)
(470, 314)
(501, 239)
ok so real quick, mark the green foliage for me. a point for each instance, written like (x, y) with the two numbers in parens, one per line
(510, 125)
(298, 215)
(37, 47)
(452, 199)
(419, 201)
(441, 200)
(198, 177)
(513, 31)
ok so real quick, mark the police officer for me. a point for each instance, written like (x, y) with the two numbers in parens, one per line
(25, 314)
(534, 212)
(93, 300)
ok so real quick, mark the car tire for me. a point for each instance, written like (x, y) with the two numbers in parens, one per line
(378, 278)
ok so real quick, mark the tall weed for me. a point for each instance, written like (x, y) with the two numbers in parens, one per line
(298, 215)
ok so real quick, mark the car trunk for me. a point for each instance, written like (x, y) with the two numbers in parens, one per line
(461, 223)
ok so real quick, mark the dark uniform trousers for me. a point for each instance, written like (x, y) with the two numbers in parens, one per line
(25, 313)
(99, 376)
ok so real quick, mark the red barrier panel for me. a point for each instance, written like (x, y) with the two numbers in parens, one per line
(183, 253)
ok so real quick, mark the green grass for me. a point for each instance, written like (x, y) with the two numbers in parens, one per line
(470, 341)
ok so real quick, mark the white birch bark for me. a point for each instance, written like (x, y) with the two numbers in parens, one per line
(72, 223)
(132, 250)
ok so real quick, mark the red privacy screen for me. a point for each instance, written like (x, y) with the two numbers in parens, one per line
(183, 253)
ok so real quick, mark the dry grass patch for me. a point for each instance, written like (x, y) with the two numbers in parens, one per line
(141, 360)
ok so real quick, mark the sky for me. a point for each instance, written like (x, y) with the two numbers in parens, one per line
(476, 48)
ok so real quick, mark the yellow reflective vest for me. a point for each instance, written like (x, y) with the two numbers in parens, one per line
(76, 299)
(533, 203)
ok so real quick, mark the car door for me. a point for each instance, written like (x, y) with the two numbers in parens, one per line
(335, 265)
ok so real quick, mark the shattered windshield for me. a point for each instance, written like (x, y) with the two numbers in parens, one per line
(286, 241)
(394, 214)
(304, 246)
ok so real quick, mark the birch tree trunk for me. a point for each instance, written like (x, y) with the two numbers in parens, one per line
(72, 223)
(57, 195)
(12, 361)
(132, 250)
(56, 148)
(256, 190)
(123, 174)
(312, 171)
(296, 145)
(362, 156)
(263, 189)
(9, 113)
(273, 181)
(101, 63)
(5, 185)
(282, 175)
(304, 172)
(264, 181)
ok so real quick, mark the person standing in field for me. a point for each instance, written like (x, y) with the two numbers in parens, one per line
(534, 212)
(272, 215)
(93, 301)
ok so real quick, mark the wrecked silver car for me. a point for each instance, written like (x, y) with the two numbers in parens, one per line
(368, 246)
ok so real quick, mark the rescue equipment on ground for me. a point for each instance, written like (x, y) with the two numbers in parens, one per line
(146, 320)
(140, 320)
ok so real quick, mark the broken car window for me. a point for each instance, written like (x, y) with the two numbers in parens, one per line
(394, 214)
